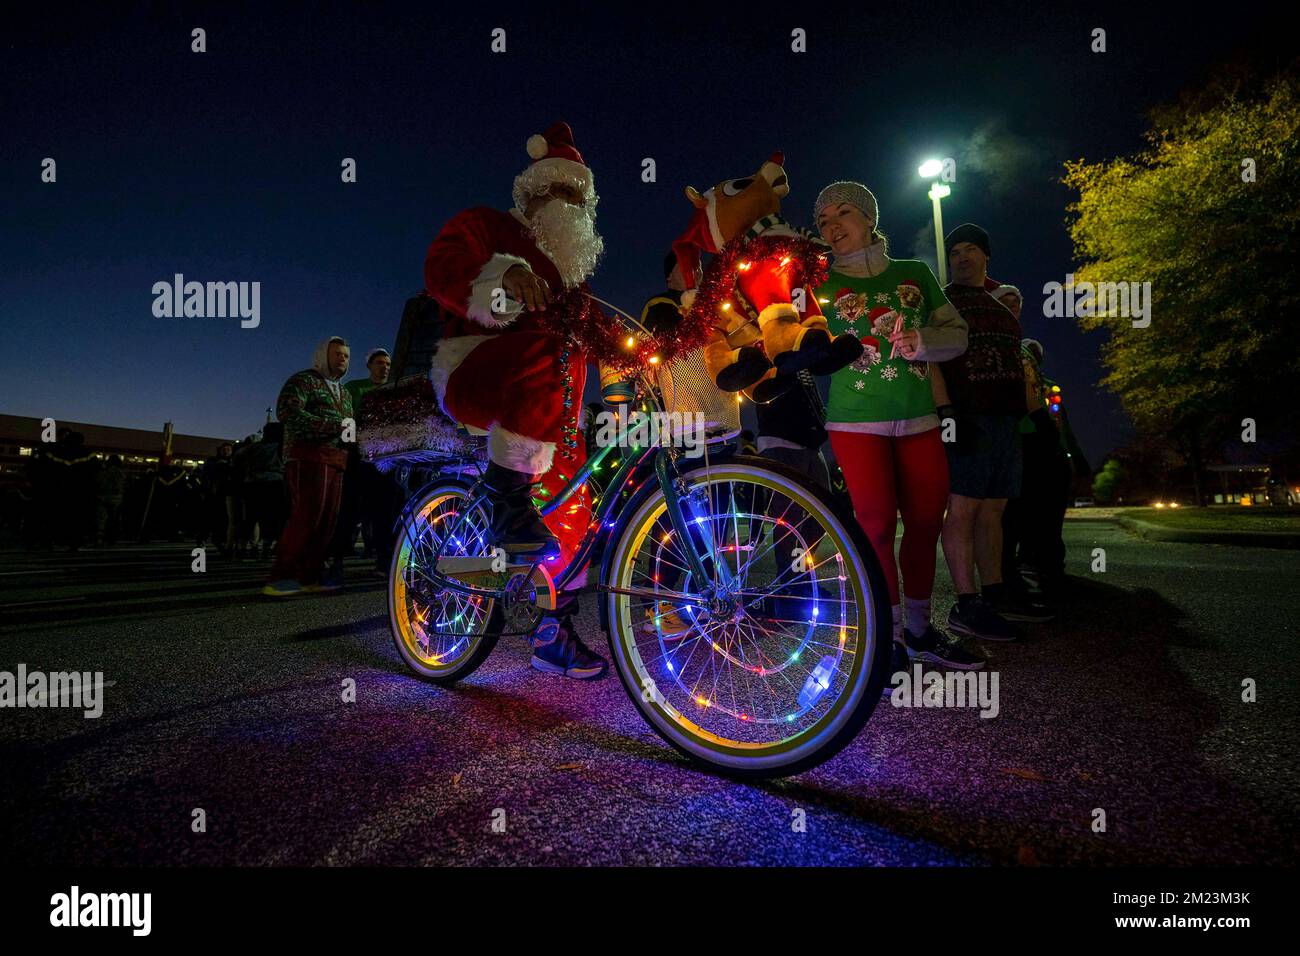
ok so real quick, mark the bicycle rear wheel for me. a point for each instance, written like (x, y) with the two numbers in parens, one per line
(782, 666)
(442, 636)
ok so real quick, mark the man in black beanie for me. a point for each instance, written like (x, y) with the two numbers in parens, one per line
(986, 400)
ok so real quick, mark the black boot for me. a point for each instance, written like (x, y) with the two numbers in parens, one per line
(771, 389)
(841, 352)
(517, 526)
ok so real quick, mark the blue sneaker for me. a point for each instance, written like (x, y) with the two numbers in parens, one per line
(557, 649)
(330, 581)
(284, 588)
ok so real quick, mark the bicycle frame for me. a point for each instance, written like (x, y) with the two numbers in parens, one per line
(607, 517)
(606, 521)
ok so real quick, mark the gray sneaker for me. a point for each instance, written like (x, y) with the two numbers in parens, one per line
(936, 647)
(980, 621)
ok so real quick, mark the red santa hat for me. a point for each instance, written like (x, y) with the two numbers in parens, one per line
(697, 238)
(554, 159)
(879, 312)
(842, 293)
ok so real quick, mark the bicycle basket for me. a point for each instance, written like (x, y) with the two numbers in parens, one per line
(401, 423)
(688, 389)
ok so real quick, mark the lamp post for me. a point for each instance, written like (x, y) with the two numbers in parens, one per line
(930, 169)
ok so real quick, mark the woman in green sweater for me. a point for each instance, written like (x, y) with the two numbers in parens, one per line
(881, 414)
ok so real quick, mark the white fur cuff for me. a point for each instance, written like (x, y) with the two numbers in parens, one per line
(519, 452)
(485, 284)
(776, 312)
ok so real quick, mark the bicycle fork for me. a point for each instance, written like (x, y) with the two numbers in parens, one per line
(687, 510)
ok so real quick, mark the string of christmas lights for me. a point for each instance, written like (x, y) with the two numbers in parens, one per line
(718, 293)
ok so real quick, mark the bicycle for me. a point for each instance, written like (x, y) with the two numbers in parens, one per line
(785, 656)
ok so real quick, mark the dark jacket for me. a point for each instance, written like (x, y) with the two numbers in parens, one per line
(798, 415)
(262, 462)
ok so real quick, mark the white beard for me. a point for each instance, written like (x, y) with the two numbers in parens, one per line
(567, 234)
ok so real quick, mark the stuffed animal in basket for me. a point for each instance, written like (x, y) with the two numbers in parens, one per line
(757, 291)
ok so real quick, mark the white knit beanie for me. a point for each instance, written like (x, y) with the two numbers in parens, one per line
(855, 194)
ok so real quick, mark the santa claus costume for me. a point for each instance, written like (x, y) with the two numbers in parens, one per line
(510, 370)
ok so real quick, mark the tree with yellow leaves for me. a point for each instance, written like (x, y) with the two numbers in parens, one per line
(1209, 214)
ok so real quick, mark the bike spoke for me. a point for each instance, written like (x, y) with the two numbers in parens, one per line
(746, 669)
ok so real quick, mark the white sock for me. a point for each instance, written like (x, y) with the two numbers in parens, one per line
(918, 615)
(898, 623)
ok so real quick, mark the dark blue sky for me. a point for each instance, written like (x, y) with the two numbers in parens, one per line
(225, 165)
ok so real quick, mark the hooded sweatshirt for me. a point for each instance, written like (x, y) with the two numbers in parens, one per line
(320, 362)
(312, 405)
(866, 294)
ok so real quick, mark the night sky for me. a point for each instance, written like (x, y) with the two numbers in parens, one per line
(224, 166)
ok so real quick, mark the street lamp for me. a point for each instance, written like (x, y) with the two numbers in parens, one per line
(930, 169)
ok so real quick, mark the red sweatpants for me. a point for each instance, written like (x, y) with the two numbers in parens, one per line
(315, 481)
(888, 475)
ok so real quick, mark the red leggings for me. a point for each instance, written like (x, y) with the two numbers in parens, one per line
(888, 475)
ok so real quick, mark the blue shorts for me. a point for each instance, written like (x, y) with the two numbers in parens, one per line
(984, 461)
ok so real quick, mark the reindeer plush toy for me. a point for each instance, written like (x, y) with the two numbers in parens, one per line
(757, 292)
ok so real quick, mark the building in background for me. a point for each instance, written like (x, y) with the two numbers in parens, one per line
(140, 449)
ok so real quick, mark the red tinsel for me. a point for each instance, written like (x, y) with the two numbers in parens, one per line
(604, 339)
(719, 286)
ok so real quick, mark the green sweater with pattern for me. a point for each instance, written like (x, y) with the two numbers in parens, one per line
(876, 388)
(310, 412)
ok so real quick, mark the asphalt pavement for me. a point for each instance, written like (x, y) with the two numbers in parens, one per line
(219, 700)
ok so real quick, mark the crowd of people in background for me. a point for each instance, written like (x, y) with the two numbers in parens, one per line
(73, 499)
(238, 502)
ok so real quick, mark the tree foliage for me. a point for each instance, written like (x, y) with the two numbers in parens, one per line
(1107, 481)
(1221, 255)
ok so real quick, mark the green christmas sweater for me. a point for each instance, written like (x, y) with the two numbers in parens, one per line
(310, 412)
(876, 388)
(357, 389)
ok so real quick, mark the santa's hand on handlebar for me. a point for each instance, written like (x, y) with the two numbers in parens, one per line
(522, 285)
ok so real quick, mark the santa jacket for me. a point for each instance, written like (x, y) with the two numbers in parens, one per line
(463, 266)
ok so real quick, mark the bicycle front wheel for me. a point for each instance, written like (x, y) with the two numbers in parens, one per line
(774, 661)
